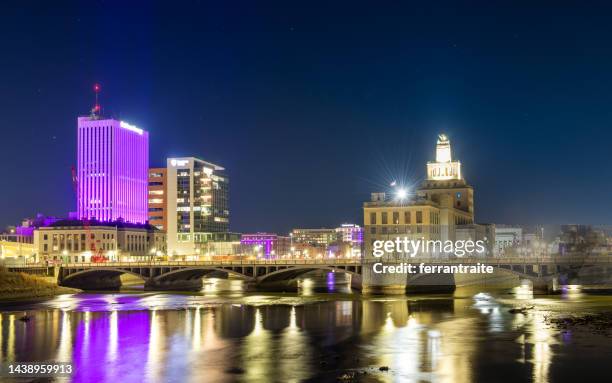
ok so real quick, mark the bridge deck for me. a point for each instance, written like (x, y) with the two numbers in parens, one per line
(591, 260)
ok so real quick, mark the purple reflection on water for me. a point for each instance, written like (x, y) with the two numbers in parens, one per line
(99, 337)
(566, 336)
(331, 281)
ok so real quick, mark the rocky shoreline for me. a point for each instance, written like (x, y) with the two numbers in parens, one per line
(600, 323)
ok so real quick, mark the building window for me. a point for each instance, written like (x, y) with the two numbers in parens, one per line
(383, 218)
(372, 218)
(407, 217)
(396, 217)
(419, 217)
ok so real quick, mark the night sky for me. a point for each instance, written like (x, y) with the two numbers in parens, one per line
(312, 105)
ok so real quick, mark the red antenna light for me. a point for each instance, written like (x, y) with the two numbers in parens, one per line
(96, 109)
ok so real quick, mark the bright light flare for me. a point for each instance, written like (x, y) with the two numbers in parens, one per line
(401, 193)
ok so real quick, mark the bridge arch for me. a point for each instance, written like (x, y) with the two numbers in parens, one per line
(293, 272)
(109, 271)
(197, 272)
(502, 274)
(190, 278)
(107, 278)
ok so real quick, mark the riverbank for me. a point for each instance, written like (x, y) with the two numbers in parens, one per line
(17, 286)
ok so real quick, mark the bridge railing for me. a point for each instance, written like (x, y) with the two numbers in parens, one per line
(329, 262)
(586, 260)
(576, 260)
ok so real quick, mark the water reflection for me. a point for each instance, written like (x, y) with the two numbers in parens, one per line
(151, 337)
(540, 337)
(64, 351)
(155, 351)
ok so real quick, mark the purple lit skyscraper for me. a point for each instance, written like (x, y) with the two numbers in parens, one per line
(113, 161)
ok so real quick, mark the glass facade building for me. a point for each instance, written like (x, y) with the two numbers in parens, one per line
(197, 204)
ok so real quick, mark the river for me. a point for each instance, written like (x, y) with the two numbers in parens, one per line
(324, 332)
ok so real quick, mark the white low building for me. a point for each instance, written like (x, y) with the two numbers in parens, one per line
(507, 237)
(70, 241)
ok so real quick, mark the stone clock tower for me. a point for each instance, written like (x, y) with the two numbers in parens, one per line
(445, 183)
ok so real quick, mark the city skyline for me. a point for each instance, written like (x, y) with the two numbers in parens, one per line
(304, 146)
(305, 191)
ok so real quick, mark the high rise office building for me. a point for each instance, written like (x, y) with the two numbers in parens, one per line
(197, 204)
(112, 170)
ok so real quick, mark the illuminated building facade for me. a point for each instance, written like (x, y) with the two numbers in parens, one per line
(267, 245)
(443, 202)
(322, 237)
(445, 181)
(157, 198)
(70, 241)
(112, 166)
(350, 233)
(197, 204)
(15, 253)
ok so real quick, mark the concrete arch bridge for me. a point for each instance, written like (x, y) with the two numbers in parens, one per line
(186, 275)
(181, 275)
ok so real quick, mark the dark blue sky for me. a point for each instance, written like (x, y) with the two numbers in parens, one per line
(313, 105)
